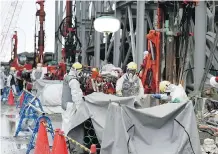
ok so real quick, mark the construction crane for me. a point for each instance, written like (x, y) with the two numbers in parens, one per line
(10, 21)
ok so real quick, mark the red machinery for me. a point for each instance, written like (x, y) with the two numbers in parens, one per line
(150, 69)
(151, 64)
(93, 81)
(41, 34)
(15, 59)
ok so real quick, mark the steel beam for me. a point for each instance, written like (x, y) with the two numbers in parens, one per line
(83, 30)
(132, 33)
(116, 52)
(60, 20)
(200, 43)
(97, 38)
(56, 30)
(140, 35)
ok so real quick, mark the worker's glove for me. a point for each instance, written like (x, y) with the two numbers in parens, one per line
(157, 96)
(176, 100)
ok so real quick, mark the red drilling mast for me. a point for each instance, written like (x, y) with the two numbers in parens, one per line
(14, 44)
(41, 33)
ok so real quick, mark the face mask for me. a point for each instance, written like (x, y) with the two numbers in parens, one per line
(39, 68)
(130, 76)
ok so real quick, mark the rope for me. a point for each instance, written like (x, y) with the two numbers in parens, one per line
(70, 139)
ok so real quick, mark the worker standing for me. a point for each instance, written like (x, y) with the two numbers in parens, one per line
(37, 73)
(130, 84)
(171, 93)
(11, 80)
(2, 79)
(72, 92)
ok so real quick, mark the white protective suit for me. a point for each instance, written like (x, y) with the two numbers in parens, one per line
(72, 96)
(37, 74)
(213, 82)
(177, 94)
(2, 78)
(11, 80)
(209, 146)
(125, 87)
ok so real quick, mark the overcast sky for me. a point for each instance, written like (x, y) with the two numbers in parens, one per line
(26, 26)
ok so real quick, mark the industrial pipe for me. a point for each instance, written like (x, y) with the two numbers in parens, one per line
(87, 140)
(87, 124)
(95, 140)
(91, 132)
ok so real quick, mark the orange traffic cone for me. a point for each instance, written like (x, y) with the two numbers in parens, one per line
(11, 98)
(93, 149)
(21, 99)
(59, 145)
(42, 145)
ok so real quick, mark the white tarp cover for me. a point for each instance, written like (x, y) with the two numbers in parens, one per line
(123, 129)
(49, 93)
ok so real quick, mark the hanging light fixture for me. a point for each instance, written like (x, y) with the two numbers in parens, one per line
(107, 24)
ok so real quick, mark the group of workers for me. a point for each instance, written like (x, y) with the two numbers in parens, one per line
(16, 79)
(127, 85)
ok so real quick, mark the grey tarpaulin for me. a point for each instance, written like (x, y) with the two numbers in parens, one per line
(49, 93)
(123, 129)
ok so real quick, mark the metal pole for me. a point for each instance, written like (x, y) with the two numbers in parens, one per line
(83, 31)
(105, 54)
(116, 53)
(200, 43)
(140, 37)
(56, 29)
(97, 38)
(132, 34)
(60, 19)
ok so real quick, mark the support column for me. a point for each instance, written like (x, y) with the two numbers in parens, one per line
(140, 36)
(56, 29)
(83, 30)
(200, 43)
(60, 20)
(132, 33)
(116, 53)
(97, 38)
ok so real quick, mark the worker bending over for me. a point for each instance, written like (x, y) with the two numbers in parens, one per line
(37, 73)
(214, 82)
(11, 80)
(171, 93)
(130, 84)
(72, 92)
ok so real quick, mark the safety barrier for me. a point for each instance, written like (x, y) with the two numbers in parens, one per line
(9, 96)
(31, 110)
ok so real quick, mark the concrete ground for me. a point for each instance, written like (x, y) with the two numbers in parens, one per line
(9, 122)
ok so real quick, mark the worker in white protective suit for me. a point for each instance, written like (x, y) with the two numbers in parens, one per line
(130, 84)
(2, 79)
(37, 73)
(214, 82)
(11, 80)
(72, 92)
(171, 93)
(72, 95)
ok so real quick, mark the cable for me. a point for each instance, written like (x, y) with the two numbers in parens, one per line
(8, 27)
(187, 135)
